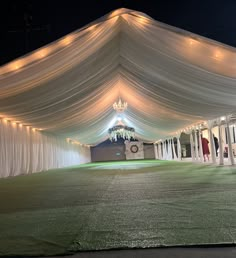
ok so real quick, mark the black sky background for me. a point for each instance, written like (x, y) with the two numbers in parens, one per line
(26, 25)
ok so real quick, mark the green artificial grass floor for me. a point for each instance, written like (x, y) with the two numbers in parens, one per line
(135, 204)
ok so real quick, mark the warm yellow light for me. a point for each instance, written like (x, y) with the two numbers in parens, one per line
(16, 65)
(42, 53)
(142, 20)
(67, 40)
(218, 55)
(192, 42)
(33, 129)
(92, 27)
(116, 13)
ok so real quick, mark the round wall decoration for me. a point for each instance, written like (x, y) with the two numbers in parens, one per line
(134, 148)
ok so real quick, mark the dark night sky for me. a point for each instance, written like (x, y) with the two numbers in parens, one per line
(49, 20)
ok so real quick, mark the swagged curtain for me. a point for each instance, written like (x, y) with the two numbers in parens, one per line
(25, 151)
(169, 77)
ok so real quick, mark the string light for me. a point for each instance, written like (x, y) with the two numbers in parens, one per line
(69, 140)
(115, 13)
(192, 42)
(218, 55)
(17, 65)
(67, 40)
(92, 27)
(6, 119)
(42, 53)
(142, 20)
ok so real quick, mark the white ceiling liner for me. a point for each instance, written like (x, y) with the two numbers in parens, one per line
(169, 77)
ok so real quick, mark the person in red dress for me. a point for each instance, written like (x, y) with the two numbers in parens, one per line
(205, 149)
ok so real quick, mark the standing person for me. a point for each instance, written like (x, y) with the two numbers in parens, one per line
(216, 144)
(205, 149)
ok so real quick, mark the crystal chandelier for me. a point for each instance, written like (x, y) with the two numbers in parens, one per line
(120, 107)
(120, 130)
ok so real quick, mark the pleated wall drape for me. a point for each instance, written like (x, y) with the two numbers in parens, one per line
(24, 150)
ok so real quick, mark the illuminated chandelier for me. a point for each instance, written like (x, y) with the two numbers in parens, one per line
(120, 107)
(120, 130)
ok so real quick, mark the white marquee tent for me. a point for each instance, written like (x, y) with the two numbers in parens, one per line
(170, 78)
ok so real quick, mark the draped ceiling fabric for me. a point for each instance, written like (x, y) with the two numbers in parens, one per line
(170, 79)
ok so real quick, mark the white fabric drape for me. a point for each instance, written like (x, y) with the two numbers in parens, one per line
(179, 148)
(212, 146)
(192, 147)
(173, 149)
(230, 149)
(24, 151)
(160, 150)
(221, 153)
(165, 153)
(200, 145)
(169, 150)
(169, 77)
(156, 151)
(163, 150)
(196, 145)
(211, 140)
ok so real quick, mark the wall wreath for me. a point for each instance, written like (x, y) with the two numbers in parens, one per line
(134, 148)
